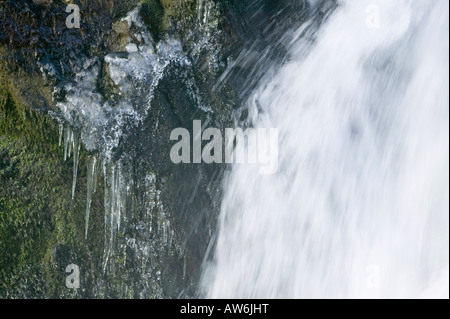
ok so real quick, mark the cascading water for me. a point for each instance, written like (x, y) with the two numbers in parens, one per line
(359, 206)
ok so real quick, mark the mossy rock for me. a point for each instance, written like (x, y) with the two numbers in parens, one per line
(16, 119)
(152, 13)
(169, 16)
(37, 213)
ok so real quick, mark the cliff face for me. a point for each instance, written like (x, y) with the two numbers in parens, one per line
(150, 221)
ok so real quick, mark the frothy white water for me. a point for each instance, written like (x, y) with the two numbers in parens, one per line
(359, 206)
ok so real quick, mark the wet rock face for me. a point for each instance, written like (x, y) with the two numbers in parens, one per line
(190, 192)
(168, 212)
(152, 13)
(37, 43)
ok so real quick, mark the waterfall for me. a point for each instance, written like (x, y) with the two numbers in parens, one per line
(359, 206)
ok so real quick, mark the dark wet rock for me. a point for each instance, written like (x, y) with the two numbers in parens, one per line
(152, 12)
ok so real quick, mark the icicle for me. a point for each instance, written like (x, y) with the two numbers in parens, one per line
(117, 198)
(206, 14)
(160, 214)
(110, 208)
(69, 151)
(94, 189)
(91, 172)
(149, 196)
(165, 228)
(67, 141)
(107, 203)
(113, 201)
(171, 235)
(184, 266)
(123, 188)
(200, 10)
(60, 129)
(76, 154)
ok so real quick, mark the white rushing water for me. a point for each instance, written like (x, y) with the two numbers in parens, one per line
(359, 206)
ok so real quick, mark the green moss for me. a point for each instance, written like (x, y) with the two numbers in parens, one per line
(37, 214)
(16, 120)
(152, 13)
(169, 16)
(180, 8)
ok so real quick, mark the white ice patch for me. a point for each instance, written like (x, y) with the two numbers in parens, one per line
(136, 74)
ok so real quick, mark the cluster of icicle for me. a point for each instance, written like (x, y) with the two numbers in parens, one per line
(113, 187)
(72, 142)
(116, 191)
